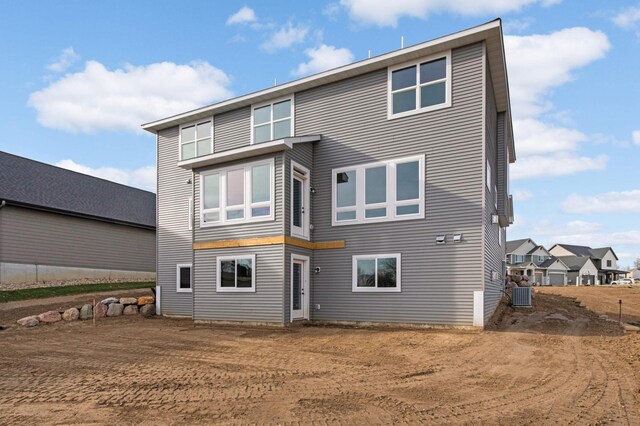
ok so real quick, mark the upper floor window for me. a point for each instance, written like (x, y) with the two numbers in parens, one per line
(608, 263)
(421, 86)
(377, 192)
(196, 139)
(237, 194)
(542, 258)
(518, 258)
(272, 121)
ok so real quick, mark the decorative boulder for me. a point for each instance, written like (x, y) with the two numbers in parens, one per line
(109, 300)
(517, 279)
(29, 321)
(115, 310)
(525, 278)
(86, 312)
(128, 301)
(50, 316)
(71, 314)
(101, 310)
(525, 284)
(145, 300)
(130, 310)
(148, 310)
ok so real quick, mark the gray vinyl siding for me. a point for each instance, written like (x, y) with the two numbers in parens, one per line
(437, 281)
(494, 250)
(289, 250)
(265, 305)
(37, 237)
(232, 129)
(174, 236)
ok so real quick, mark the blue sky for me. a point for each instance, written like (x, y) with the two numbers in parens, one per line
(77, 79)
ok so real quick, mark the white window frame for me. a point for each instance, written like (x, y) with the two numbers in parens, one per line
(220, 289)
(194, 123)
(301, 232)
(354, 274)
(541, 258)
(488, 176)
(516, 258)
(419, 110)
(271, 121)
(500, 235)
(178, 267)
(391, 202)
(190, 210)
(247, 204)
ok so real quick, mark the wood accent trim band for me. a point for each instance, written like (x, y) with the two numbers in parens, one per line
(269, 241)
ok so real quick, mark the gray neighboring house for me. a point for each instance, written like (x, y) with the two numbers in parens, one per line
(525, 257)
(376, 192)
(604, 259)
(56, 224)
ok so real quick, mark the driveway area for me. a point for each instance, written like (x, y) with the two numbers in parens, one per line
(557, 363)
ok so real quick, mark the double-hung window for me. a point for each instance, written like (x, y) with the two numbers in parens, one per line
(420, 86)
(376, 273)
(376, 192)
(237, 194)
(272, 121)
(196, 139)
(183, 278)
(236, 273)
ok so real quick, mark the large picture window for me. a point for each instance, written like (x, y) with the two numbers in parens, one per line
(272, 121)
(237, 194)
(376, 273)
(196, 139)
(376, 192)
(420, 86)
(236, 274)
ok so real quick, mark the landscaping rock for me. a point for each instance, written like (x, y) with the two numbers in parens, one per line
(29, 321)
(71, 314)
(517, 279)
(148, 310)
(101, 310)
(109, 300)
(115, 310)
(632, 328)
(145, 300)
(50, 316)
(130, 310)
(128, 300)
(86, 312)
(557, 316)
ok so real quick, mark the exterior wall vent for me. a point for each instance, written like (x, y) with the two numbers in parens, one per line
(521, 297)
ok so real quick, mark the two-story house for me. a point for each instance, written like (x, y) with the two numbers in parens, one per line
(375, 192)
(604, 260)
(525, 257)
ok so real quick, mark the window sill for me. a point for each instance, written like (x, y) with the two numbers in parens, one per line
(391, 116)
(376, 220)
(237, 223)
(376, 290)
(184, 290)
(235, 290)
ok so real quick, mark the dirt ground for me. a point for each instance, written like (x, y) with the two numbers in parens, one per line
(570, 368)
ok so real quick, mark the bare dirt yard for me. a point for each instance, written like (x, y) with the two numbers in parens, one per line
(557, 363)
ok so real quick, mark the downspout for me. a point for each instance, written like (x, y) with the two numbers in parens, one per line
(193, 252)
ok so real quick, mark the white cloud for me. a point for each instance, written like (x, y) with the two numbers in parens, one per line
(636, 137)
(144, 177)
(285, 37)
(67, 58)
(517, 25)
(331, 11)
(628, 18)
(96, 98)
(243, 16)
(387, 13)
(556, 164)
(323, 58)
(535, 137)
(609, 202)
(522, 195)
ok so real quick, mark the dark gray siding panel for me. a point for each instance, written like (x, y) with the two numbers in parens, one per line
(174, 236)
(37, 237)
(232, 129)
(265, 305)
(437, 281)
(494, 251)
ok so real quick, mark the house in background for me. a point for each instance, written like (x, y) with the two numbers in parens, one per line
(59, 225)
(374, 192)
(603, 258)
(582, 270)
(525, 257)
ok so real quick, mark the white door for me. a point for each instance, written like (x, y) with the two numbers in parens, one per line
(300, 291)
(299, 201)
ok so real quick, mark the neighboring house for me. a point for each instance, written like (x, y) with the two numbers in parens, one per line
(604, 258)
(582, 270)
(374, 192)
(525, 257)
(60, 225)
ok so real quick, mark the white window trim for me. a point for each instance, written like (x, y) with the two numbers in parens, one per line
(248, 205)
(194, 123)
(220, 289)
(391, 202)
(307, 295)
(190, 209)
(418, 110)
(488, 175)
(296, 231)
(354, 274)
(178, 267)
(271, 102)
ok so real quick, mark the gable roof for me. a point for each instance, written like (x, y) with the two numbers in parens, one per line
(600, 253)
(574, 263)
(513, 245)
(536, 248)
(551, 261)
(490, 33)
(30, 183)
(576, 250)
